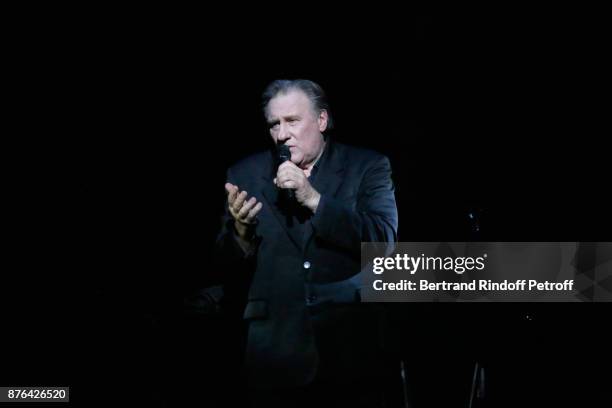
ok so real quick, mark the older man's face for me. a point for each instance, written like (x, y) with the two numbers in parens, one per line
(294, 123)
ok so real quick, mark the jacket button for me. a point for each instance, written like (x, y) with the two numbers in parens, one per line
(306, 265)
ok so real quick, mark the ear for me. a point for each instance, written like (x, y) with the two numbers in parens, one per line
(322, 120)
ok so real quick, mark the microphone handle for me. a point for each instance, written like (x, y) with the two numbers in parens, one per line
(286, 156)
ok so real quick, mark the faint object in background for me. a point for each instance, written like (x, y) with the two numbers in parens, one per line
(477, 393)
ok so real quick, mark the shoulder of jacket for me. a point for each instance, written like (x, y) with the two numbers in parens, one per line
(359, 153)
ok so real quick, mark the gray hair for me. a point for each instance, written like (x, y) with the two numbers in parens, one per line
(311, 89)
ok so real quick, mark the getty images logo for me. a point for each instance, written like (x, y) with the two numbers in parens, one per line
(404, 262)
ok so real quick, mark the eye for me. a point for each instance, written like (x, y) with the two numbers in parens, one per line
(274, 126)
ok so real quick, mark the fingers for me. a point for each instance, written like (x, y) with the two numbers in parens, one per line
(288, 165)
(288, 170)
(237, 204)
(250, 218)
(241, 209)
(232, 191)
(289, 176)
(249, 211)
(286, 183)
(246, 207)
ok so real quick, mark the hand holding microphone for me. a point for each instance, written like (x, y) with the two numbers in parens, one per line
(292, 179)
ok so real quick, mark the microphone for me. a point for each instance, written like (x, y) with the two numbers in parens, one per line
(284, 154)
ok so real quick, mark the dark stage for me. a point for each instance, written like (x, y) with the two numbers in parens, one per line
(494, 131)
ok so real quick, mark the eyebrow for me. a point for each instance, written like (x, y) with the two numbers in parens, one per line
(288, 117)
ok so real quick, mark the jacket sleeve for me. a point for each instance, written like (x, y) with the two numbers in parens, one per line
(373, 219)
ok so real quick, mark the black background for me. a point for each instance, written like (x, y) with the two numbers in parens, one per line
(136, 117)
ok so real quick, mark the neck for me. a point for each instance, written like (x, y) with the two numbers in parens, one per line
(310, 165)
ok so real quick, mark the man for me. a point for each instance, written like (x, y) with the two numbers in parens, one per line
(297, 227)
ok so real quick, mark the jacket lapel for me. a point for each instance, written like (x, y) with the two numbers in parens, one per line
(329, 177)
(328, 180)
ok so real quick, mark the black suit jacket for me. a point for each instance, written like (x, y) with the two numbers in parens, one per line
(303, 308)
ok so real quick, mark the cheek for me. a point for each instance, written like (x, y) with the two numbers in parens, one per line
(303, 135)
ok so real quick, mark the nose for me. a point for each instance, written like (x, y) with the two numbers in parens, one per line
(283, 133)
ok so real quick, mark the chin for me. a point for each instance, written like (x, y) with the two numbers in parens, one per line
(297, 159)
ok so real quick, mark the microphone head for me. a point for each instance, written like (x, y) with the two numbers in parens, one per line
(284, 153)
